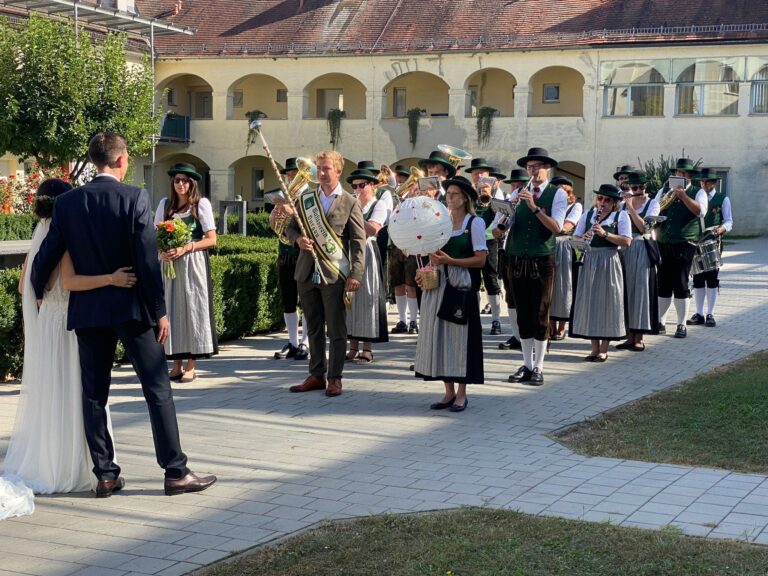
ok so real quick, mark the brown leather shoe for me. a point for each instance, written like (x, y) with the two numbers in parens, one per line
(312, 382)
(334, 387)
(105, 488)
(190, 483)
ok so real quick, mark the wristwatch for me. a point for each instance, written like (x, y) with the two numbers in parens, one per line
(538, 209)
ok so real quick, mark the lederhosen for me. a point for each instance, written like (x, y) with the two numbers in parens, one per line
(714, 217)
(641, 300)
(677, 245)
(490, 271)
(286, 270)
(531, 267)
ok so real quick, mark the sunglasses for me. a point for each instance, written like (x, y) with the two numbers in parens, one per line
(361, 185)
(181, 180)
(635, 187)
(534, 166)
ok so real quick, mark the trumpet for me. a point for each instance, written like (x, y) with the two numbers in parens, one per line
(385, 176)
(416, 173)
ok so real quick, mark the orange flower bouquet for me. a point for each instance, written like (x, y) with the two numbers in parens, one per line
(172, 234)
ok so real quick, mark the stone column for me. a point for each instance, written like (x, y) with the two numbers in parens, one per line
(457, 103)
(522, 111)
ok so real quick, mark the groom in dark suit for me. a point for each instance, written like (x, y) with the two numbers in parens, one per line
(106, 225)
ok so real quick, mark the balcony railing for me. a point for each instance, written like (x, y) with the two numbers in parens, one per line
(175, 130)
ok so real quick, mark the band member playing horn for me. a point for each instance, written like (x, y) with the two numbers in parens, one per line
(518, 178)
(480, 169)
(562, 291)
(286, 269)
(539, 217)
(367, 319)
(598, 308)
(439, 164)
(719, 220)
(335, 232)
(685, 208)
(641, 285)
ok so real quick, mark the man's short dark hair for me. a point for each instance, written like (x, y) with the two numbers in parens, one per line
(105, 148)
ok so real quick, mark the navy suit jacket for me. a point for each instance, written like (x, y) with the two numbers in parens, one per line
(105, 225)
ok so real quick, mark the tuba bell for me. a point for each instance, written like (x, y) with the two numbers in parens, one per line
(666, 200)
(455, 155)
(306, 174)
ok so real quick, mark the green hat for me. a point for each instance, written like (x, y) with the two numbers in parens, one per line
(368, 165)
(496, 174)
(609, 191)
(517, 175)
(685, 164)
(361, 175)
(707, 174)
(186, 169)
(626, 169)
(560, 180)
(539, 154)
(636, 178)
(464, 184)
(478, 164)
(437, 157)
(402, 169)
(290, 164)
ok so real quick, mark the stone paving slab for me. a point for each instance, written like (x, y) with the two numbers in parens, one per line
(286, 461)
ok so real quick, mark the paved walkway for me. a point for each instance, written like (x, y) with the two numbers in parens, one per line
(286, 461)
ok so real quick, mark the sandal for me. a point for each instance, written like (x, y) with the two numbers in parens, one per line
(365, 357)
(351, 355)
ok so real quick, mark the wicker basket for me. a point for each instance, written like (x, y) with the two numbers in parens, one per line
(429, 279)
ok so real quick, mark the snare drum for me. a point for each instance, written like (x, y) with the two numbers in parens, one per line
(707, 257)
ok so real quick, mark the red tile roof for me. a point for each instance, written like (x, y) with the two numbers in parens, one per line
(365, 26)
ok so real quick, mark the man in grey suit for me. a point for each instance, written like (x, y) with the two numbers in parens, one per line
(335, 231)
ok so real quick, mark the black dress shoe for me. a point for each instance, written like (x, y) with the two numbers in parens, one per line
(190, 483)
(523, 374)
(288, 351)
(695, 320)
(302, 352)
(400, 328)
(442, 405)
(413, 328)
(710, 321)
(662, 329)
(536, 379)
(681, 331)
(495, 328)
(105, 488)
(511, 344)
(459, 407)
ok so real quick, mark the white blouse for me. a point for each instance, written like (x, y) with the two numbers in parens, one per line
(204, 214)
(477, 230)
(624, 227)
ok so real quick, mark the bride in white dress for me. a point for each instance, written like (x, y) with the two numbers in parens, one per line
(48, 452)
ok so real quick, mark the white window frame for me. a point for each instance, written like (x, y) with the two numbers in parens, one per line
(629, 87)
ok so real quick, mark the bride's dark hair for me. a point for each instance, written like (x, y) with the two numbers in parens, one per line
(47, 193)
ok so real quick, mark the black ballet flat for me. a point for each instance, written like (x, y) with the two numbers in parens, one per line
(459, 407)
(176, 377)
(442, 405)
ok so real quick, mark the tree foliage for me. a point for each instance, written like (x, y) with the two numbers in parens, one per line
(60, 88)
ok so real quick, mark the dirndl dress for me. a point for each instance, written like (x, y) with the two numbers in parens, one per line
(641, 288)
(367, 319)
(598, 308)
(562, 289)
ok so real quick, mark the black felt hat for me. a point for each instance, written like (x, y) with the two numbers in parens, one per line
(609, 191)
(362, 175)
(478, 164)
(539, 154)
(290, 164)
(402, 169)
(493, 171)
(464, 184)
(685, 164)
(707, 174)
(368, 165)
(626, 169)
(437, 157)
(560, 180)
(636, 178)
(186, 169)
(517, 175)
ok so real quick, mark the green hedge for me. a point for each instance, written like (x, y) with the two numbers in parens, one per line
(256, 224)
(245, 295)
(17, 226)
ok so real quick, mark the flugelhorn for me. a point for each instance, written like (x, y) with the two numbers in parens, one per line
(455, 155)
(416, 173)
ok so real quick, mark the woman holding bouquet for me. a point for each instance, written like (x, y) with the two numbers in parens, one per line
(451, 349)
(188, 295)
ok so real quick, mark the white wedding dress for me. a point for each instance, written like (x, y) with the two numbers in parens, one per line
(48, 452)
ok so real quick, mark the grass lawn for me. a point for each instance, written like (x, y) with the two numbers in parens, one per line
(482, 542)
(719, 419)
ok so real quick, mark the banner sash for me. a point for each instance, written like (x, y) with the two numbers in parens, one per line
(328, 245)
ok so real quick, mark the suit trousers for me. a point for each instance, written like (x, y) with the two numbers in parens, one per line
(97, 353)
(323, 305)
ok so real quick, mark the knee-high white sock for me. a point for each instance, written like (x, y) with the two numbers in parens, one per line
(292, 324)
(495, 301)
(513, 322)
(402, 306)
(681, 307)
(711, 299)
(304, 335)
(539, 350)
(664, 304)
(413, 308)
(527, 345)
(699, 294)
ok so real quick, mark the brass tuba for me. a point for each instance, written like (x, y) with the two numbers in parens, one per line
(306, 174)
(455, 155)
(416, 173)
